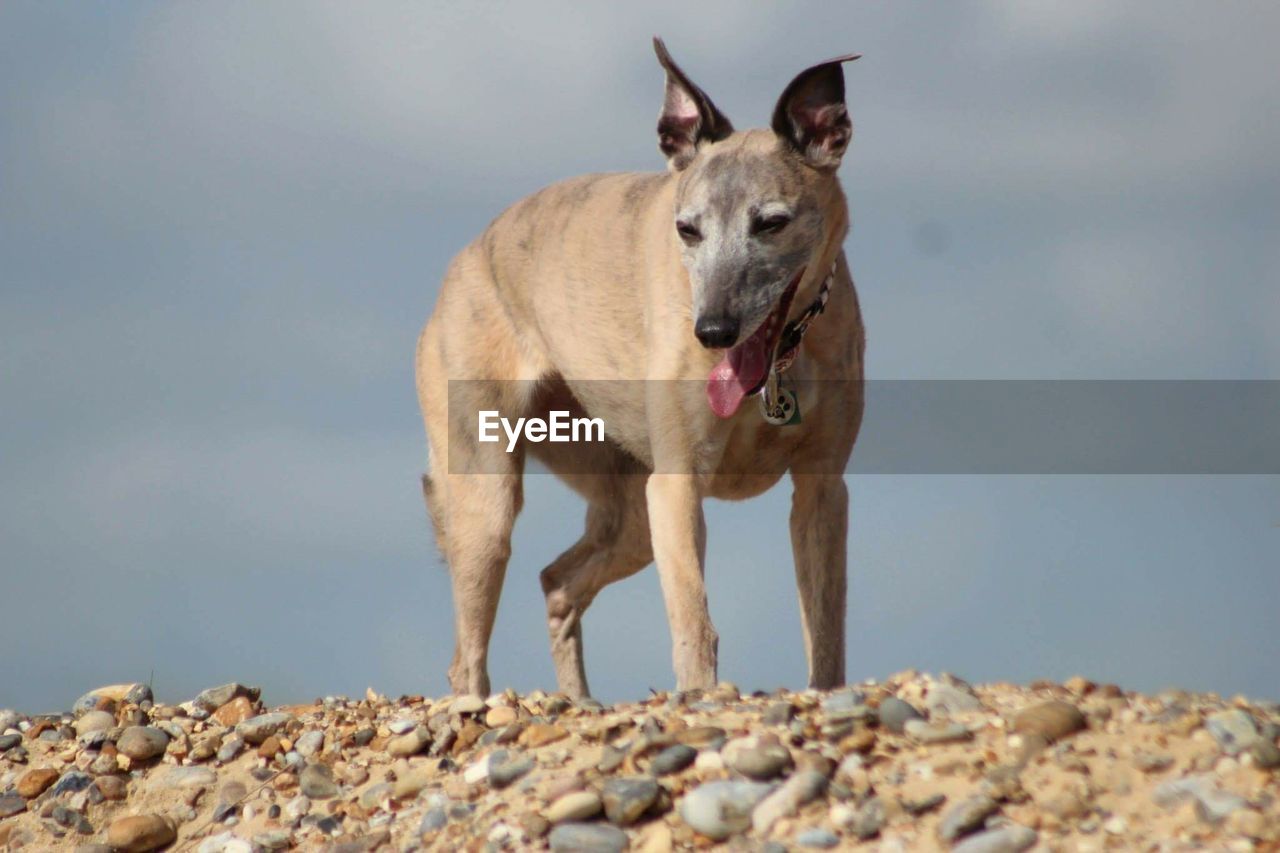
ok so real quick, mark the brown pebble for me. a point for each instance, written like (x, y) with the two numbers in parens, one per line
(33, 783)
(112, 787)
(269, 747)
(140, 833)
(541, 734)
(234, 712)
(1052, 720)
(499, 717)
(861, 741)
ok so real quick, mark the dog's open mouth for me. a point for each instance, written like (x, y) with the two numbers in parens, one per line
(745, 367)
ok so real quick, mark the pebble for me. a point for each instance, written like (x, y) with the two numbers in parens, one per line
(274, 839)
(1265, 754)
(541, 734)
(965, 817)
(257, 729)
(1234, 730)
(625, 799)
(112, 787)
(468, 704)
(230, 748)
(297, 808)
(140, 833)
(818, 837)
(184, 777)
(895, 713)
(1051, 720)
(11, 804)
(574, 806)
(926, 732)
(410, 743)
(802, 788)
(215, 697)
(673, 759)
(949, 700)
(1013, 838)
(588, 838)
(316, 782)
(721, 808)
(500, 717)
(309, 743)
(433, 820)
(234, 712)
(72, 783)
(33, 783)
(94, 721)
(505, 768)
(760, 758)
(142, 743)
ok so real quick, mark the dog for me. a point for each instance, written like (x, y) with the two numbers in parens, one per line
(658, 302)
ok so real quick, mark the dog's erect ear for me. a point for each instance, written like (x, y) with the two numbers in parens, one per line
(688, 117)
(811, 115)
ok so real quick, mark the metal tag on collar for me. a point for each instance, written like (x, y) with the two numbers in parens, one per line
(778, 405)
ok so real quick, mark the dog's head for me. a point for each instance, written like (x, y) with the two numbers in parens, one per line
(754, 210)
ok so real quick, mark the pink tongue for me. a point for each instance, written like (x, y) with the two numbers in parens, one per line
(741, 370)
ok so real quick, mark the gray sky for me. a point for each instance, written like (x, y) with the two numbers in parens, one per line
(221, 227)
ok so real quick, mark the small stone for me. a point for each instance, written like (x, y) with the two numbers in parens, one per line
(230, 748)
(1005, 839)
(273, 839)
(1234, 730)
(469, 704)
(33, 783)
(778, 713)
(432, 821)
(803, 787)
(817, 837)
(309, 743)
(965, 817)
(673, 759)
(611, 759)
(257, 729)
(410, 743)
(140, 833)
(112, 787)
(142, 743)
(720, 809)
(541, 734)
(316, 782)
(894, 714)
(410, 784)
(625, 799)
(869, 819)
(11, 804)
(701, 737)
(215, 697)
(656, 837)
(297, 808)
(371, 798)
(925, 732)
(849, 703)
(94, 721)
(949, 700)
(507, 770)
(72, 782)
(1051, 720)
(234, 712)
(500, 717)
(758, 758)
(924, 805)
(1265, 754)
(862, 741)
(587, 838)
(184, 777)
(574, 806)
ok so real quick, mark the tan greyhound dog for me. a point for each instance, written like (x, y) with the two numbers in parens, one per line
(657, 302)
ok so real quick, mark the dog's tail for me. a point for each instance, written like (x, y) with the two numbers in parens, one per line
(436, 513)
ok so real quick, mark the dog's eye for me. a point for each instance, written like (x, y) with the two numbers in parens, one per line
(770, 224)
(688, 233)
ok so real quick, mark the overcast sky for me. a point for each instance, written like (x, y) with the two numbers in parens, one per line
(222, 225)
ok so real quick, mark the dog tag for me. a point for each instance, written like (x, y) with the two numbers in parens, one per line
(783, 410)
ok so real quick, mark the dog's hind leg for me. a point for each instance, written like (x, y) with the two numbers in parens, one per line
(615, 545)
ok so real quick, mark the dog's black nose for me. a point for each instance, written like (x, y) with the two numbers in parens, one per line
(716, 332)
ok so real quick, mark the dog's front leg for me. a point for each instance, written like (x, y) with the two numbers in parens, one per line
(819, 531)
(679, 547)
